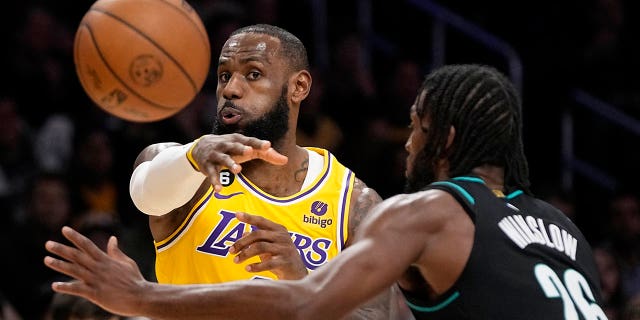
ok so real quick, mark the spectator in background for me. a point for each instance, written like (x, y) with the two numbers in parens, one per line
(42, 66)
(220, 19)
(555, 194)
(632, 309)
(66, 307)
(53, 145)
(264, 11)
(192, 121)
(601, 68)
(100, 186)
(351, 92)
(315, 126)
(624, 212)
(16, 158)
(93, 172)
(609, 271)
(98, 227)
(47, 207)
(388, 126)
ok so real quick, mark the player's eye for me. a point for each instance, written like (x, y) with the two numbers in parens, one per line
(223, 77)
(253, 75)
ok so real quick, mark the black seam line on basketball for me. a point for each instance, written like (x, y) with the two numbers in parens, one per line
(76, 49)
(95, 44)
(205, 37)
(193, 84)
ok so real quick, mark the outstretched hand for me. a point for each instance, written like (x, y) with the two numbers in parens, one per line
(109, 279)
(272, 243)
(213, 152)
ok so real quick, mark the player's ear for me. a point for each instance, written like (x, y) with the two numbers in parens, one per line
(300, 85)
(451, 136)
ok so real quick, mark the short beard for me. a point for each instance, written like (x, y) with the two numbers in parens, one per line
(421, 175)
(272, 126)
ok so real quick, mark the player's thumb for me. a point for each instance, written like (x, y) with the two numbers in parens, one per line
(113, 250)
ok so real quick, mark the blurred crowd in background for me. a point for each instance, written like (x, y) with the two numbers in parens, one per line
(64, 161)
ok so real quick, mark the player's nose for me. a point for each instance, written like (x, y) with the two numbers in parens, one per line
(234, 88)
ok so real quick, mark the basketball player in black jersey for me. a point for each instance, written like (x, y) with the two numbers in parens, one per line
(468, 240)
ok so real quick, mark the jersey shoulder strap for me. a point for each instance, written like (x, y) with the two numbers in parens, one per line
(462, 189)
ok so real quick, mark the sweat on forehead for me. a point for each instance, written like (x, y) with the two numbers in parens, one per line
(287, 45)
(251, 42)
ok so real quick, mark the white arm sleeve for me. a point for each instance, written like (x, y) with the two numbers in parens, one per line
(166, 182)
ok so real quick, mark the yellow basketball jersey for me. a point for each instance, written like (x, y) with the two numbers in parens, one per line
(316, 217)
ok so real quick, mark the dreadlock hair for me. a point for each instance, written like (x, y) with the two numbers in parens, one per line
(484, 108)
(292, 48)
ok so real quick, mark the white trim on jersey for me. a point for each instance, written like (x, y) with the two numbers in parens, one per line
(316, 162)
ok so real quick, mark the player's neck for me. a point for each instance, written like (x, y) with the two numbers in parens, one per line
(492, 176)
(276, 180)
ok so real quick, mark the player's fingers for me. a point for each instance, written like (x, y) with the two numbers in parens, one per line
(260, 222)
(257, 249)
(70, 269)
(82, 243)
(114, 251)
(284, 269)
(77, 260)
(238, 146)
(212, 167)
(212, 171)
(247, 240)
(269, 155)
(265, 265)
(272, 156)
(252, 142)
(265, 231)
(76, 288)
(60, 250)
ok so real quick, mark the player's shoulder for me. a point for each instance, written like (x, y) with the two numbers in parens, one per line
(422, 200)
(363, 200)
(156, 148)
(428, 210)
(152, 150)
(363, 193)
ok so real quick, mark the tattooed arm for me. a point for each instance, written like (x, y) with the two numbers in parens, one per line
(362, 200)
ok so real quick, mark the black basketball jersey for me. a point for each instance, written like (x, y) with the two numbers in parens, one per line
(528, 261)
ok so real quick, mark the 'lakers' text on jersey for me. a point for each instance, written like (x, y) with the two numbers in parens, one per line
(316, 218)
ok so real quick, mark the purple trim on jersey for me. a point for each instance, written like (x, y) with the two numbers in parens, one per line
(221, 196)
(343, 209)
(268, 197)
(184, 226)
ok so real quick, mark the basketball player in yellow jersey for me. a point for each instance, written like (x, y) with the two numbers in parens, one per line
(316, 218)
(305, 205)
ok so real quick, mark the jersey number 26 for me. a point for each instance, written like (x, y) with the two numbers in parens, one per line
(574, 291)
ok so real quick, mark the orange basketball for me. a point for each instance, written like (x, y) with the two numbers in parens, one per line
(142, 60)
